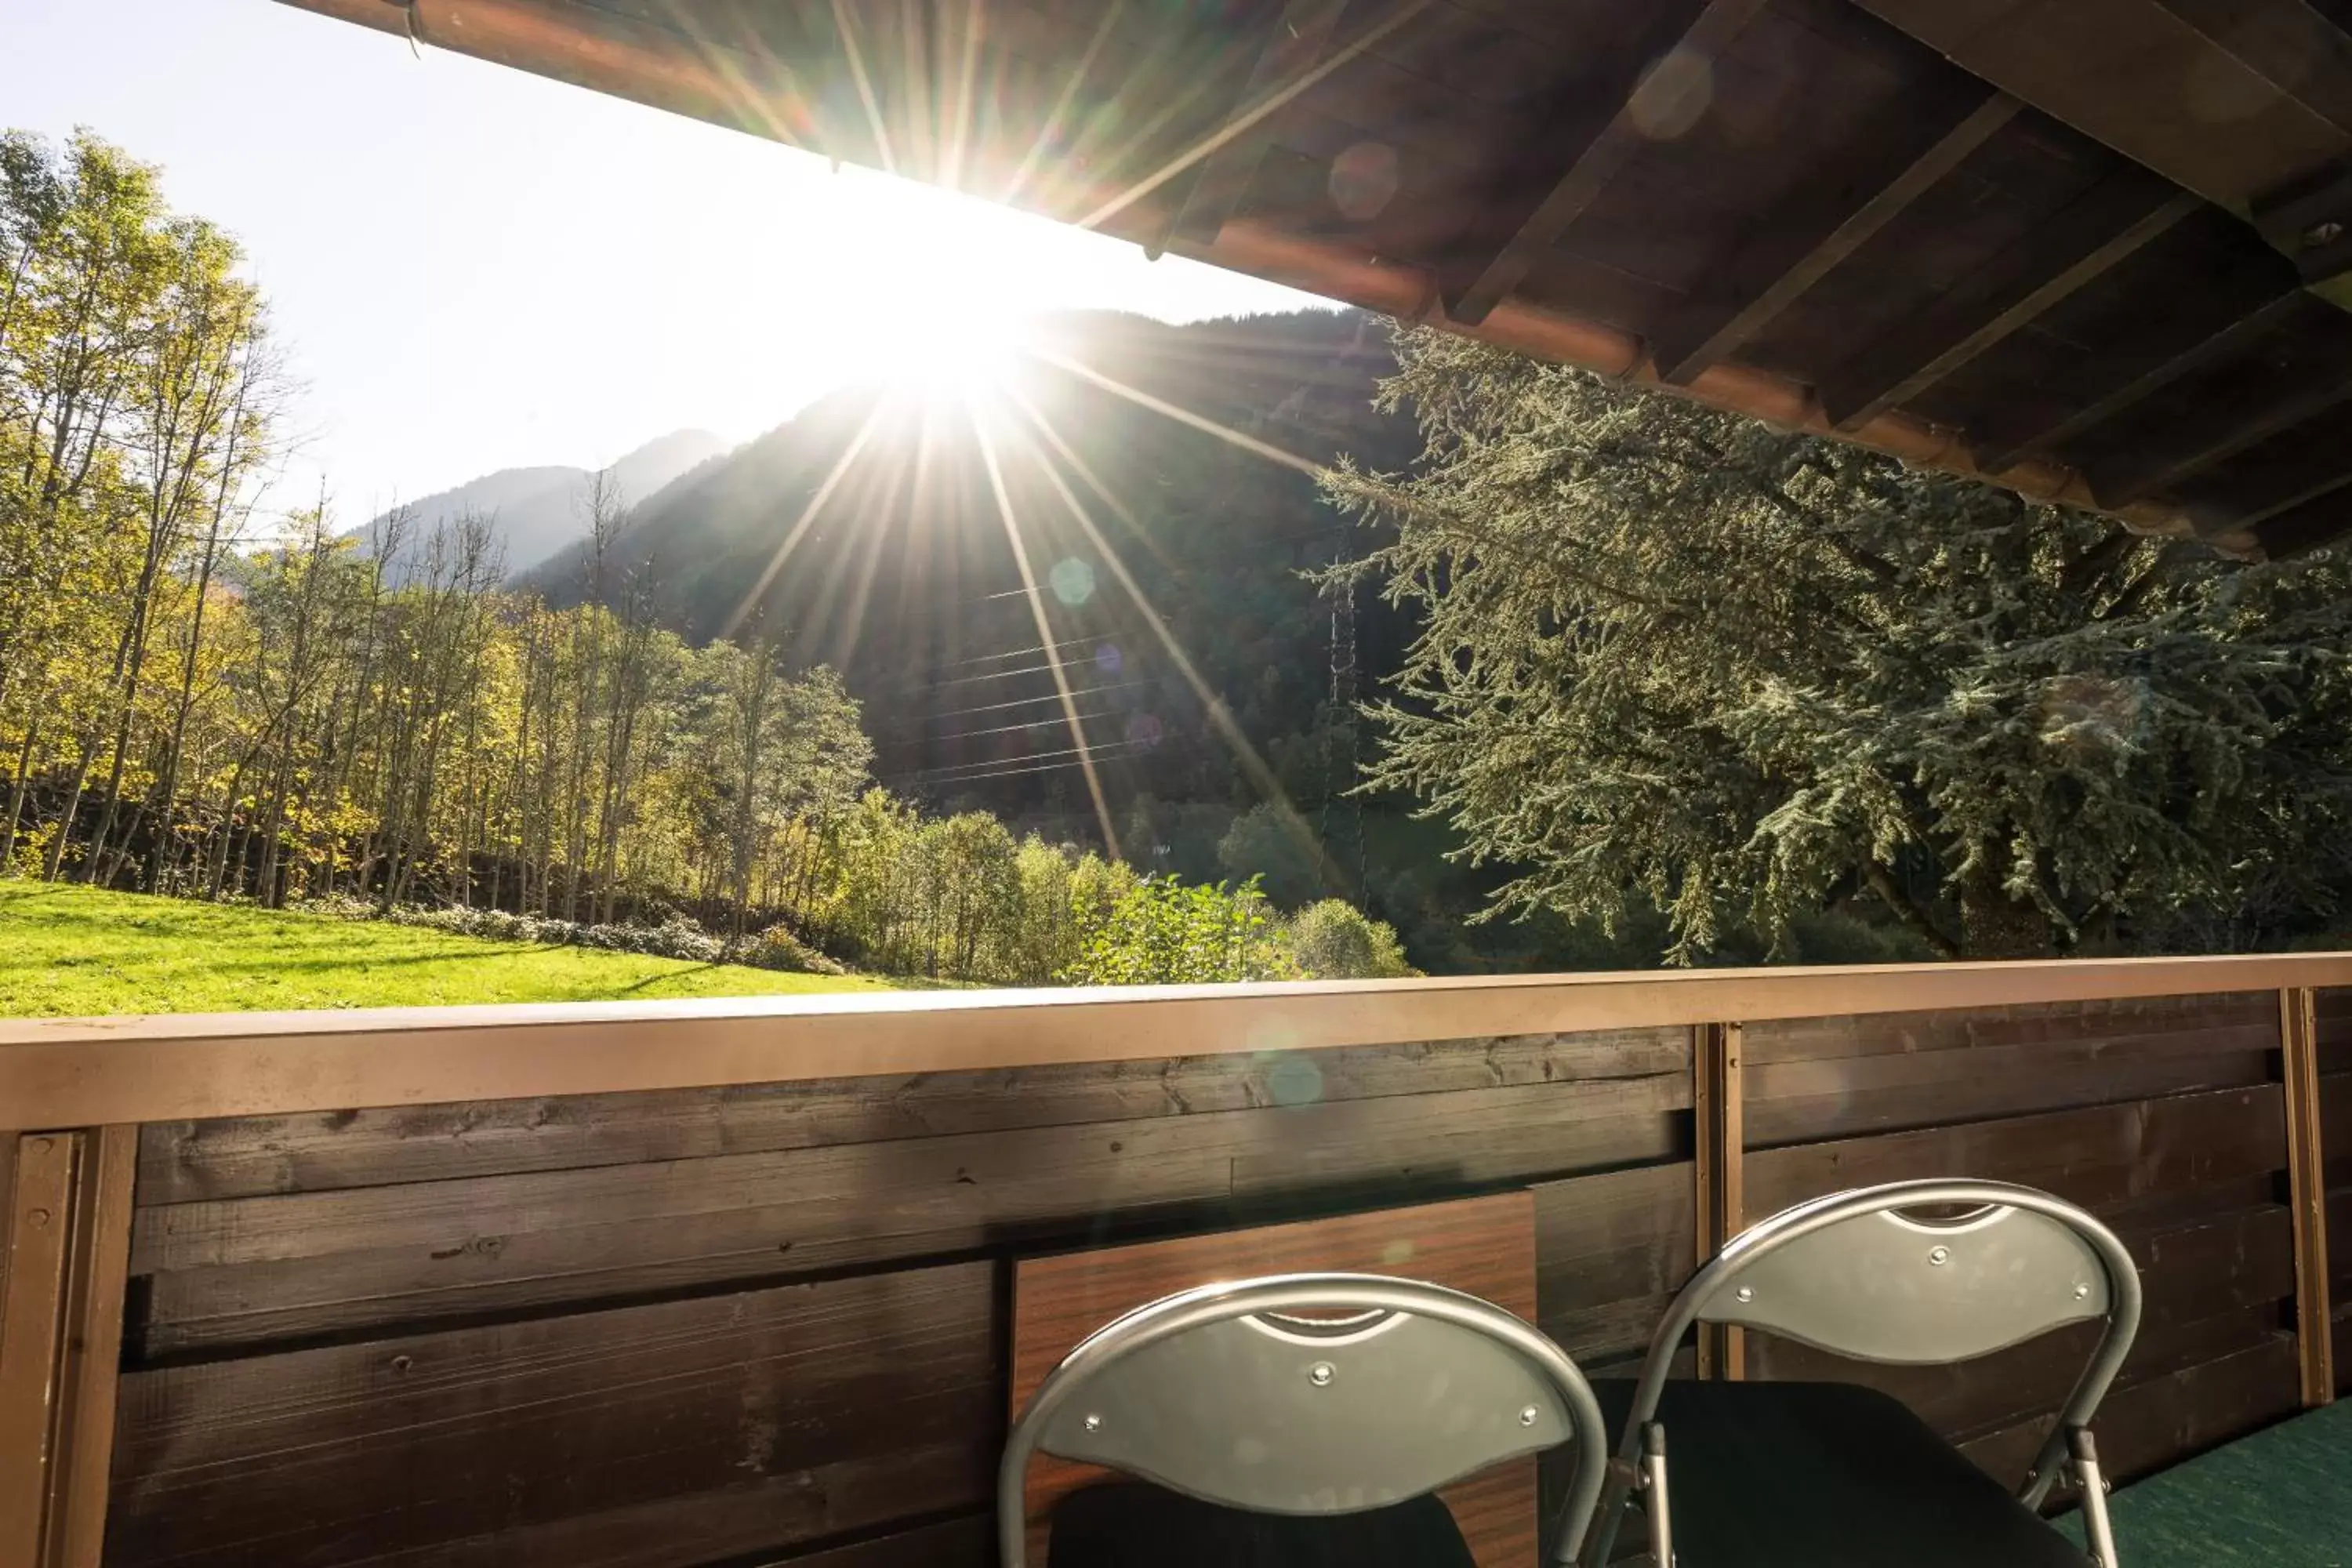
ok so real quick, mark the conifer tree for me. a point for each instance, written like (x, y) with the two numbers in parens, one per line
(1674, 653)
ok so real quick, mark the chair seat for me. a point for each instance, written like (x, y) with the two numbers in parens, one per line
(1132, 1524)
(1765, 1474)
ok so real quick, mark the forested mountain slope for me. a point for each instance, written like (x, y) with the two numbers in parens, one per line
(906, 579)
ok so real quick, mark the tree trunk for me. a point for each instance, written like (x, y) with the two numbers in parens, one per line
(17, 792)
(56, 858)
(1994, 925)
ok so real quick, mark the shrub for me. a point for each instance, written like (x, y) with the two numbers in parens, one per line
(778, 947)
(674, 938)
(1162, 932)
(1333, 939)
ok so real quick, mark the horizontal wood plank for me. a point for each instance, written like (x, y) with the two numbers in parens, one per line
(1611, 1251)
(2332, 1010)
(183, 1162)
(966, 1542)
(2126, 1021)
(2336, 1127)
(2099, 1157)
(853, 1497)
(2147, 1426)
(237, 1271)
(674, 1434)
(1804, 1101)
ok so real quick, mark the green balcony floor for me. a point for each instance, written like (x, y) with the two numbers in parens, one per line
(2282, 1499)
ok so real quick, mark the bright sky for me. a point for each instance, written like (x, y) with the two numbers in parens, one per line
(477, 268)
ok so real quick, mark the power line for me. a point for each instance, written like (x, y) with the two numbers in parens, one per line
(1113, 749)
(1015, 702)
(1012, 729)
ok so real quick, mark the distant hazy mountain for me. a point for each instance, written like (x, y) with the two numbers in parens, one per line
(539, 513)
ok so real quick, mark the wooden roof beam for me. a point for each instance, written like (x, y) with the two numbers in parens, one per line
(2122, 213)
(2321, 519)
(1295, 40)
(1782, 257)
(2157, 465)
(2278, 477)
(1599, 117)
(2246, 103)
(2004, 445)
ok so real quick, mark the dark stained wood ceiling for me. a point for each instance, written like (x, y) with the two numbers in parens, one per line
(2098, 250)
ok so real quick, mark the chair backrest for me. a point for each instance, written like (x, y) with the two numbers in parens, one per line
(1871, 1281)
(1310, 1393)
(1862, 1275)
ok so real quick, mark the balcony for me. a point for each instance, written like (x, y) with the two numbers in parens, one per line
(727, 1282)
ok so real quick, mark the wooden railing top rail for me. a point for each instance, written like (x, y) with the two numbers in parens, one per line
(93, 1071)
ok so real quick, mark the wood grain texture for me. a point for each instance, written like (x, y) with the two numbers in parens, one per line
(37, 1234)
(66, 1230)
(1611, 1251)
(236, 1271)
(605, 1364)
(2332, 1010)
(966, 1542)
(7, 1199)
(2147, 1426)
(1818, 1078)
(1485, 1247)
(91, 1362)
(181, 1161)
(674, 1434)
(2099, 1157)
(2161, 1115)
(85, 1072)
(2307, 1196)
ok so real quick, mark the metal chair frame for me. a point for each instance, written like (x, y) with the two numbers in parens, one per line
(1711, 1296)
(1546, 1366)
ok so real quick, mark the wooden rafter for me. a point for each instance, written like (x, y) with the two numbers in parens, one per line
(2154, 466)
(2130, 74)
(2005, 445)
(1293, 44)
(1784, 257)
(2317, 521)
(2116, 219)
(1589, 149)
(2312, 460)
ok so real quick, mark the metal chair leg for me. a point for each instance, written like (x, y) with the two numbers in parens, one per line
(2095, 1528)
(1653, 1482)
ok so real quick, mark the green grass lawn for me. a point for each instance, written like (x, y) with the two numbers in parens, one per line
(68, 952)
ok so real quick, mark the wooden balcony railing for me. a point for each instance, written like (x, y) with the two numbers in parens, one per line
(659, 1286)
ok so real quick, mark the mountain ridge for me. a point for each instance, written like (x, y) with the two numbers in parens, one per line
(539, 512)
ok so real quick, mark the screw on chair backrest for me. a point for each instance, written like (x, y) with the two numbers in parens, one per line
(1862, 1275)
(1309, 1394)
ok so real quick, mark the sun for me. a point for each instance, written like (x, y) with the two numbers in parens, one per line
(948, 355)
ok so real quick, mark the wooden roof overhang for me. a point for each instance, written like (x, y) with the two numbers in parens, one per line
(2097, 250)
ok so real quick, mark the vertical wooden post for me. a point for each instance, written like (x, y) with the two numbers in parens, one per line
(66, 1234)
(2307, 1174)
(1720, 1147)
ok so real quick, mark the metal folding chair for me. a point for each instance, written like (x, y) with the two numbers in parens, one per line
(1769, 1472)
(1309, 1394)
